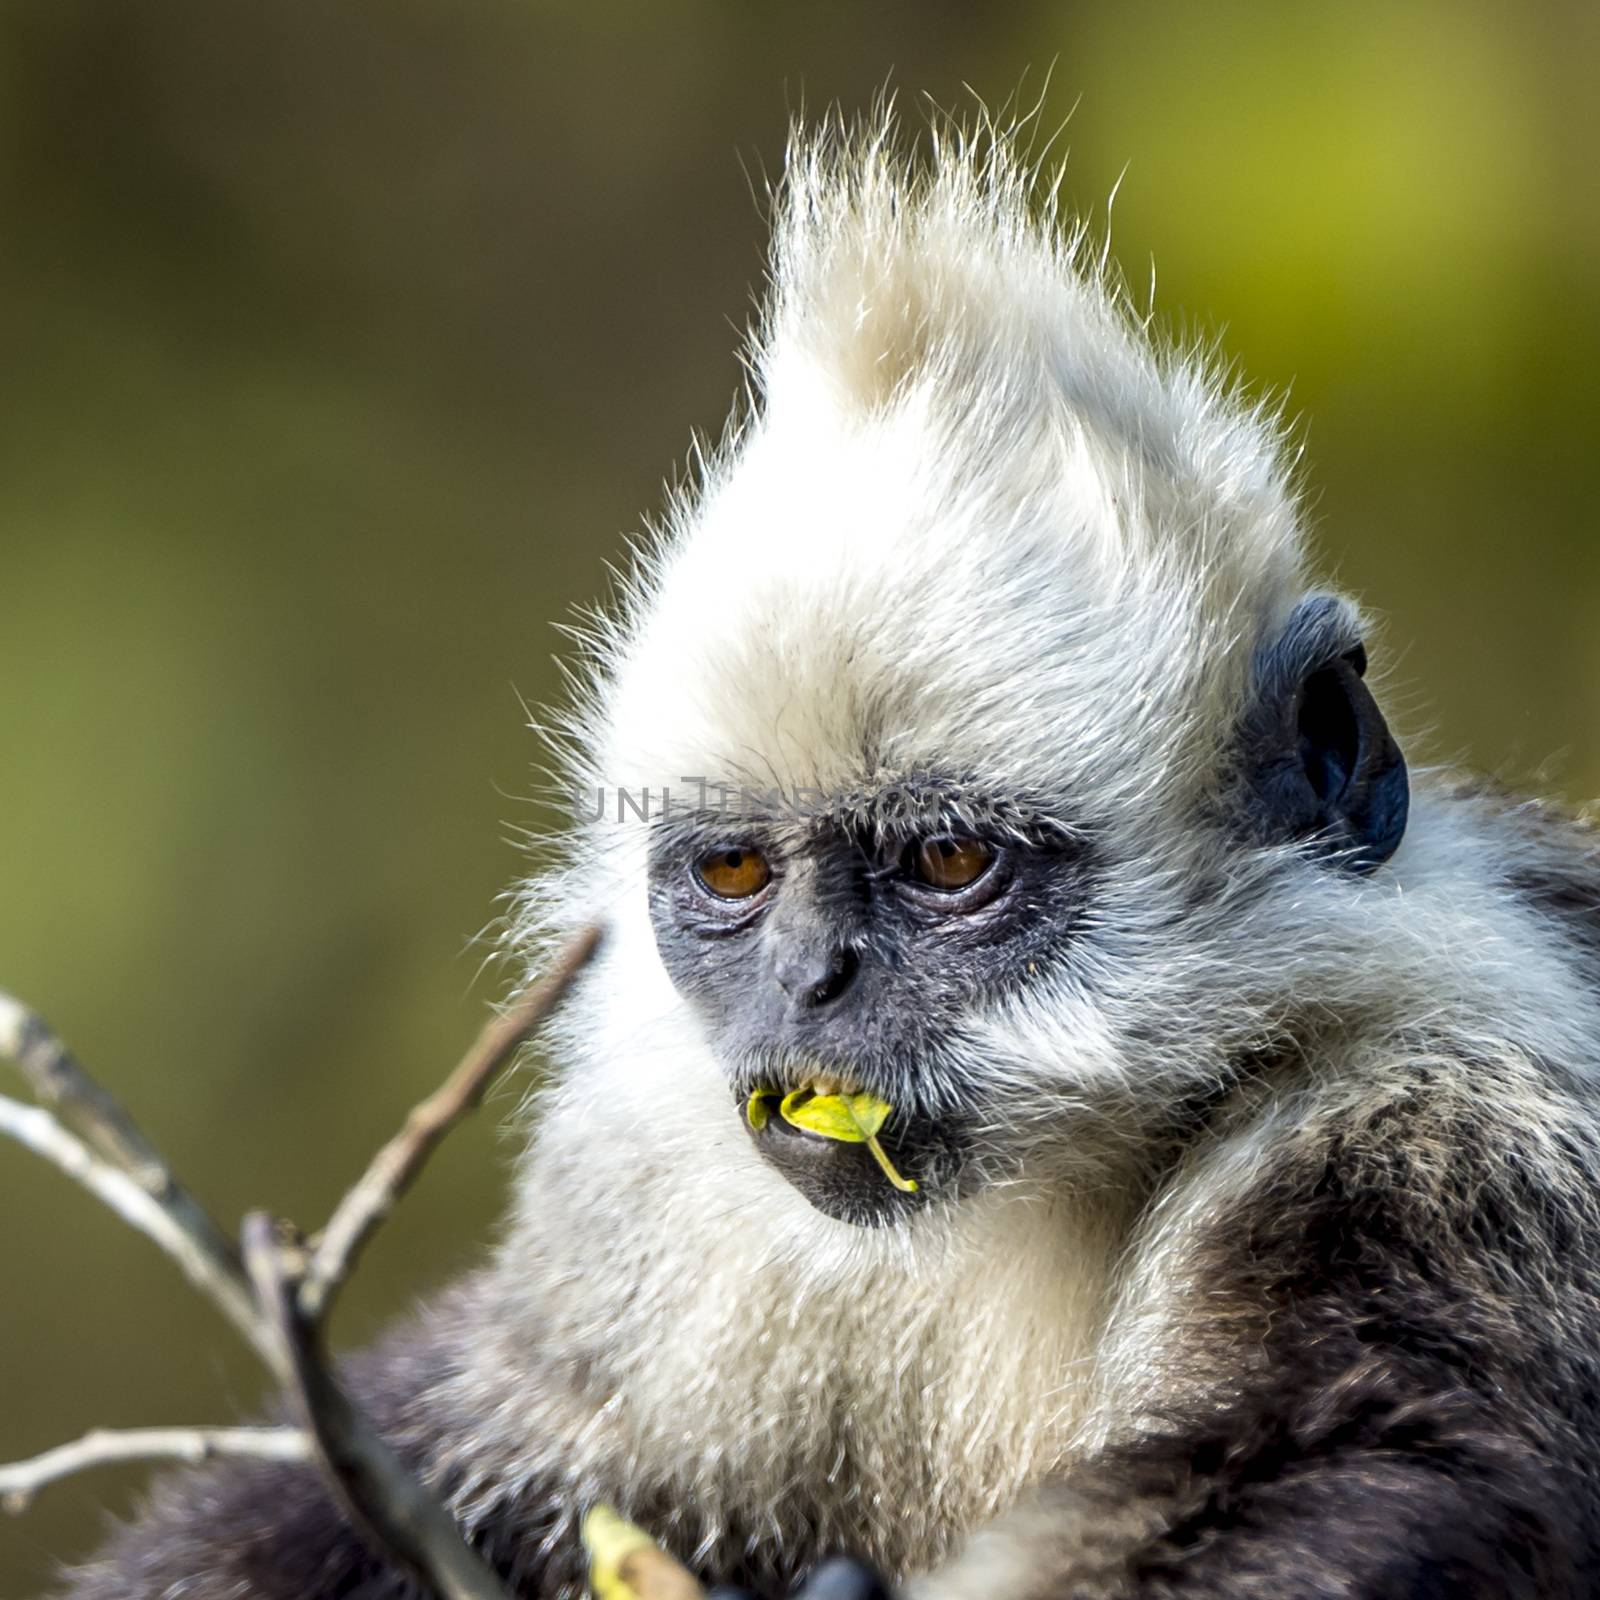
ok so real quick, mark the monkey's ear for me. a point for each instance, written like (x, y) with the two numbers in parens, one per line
(1324, 766)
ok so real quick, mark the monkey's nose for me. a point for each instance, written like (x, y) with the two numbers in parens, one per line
(814, 977)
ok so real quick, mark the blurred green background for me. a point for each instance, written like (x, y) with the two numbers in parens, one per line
(339, 344)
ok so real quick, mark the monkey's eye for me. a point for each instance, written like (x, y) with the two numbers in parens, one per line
(734, 872)
(950, 862)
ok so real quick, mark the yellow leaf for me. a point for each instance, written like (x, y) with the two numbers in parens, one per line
(625, 1563)
(610, 1540)
(851, 1118)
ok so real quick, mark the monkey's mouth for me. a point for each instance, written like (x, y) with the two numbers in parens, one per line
(846, 1151)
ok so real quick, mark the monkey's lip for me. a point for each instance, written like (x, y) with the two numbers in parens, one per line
(865, 1178)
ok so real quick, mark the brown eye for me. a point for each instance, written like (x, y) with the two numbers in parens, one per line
(951, 862)
(734, 874)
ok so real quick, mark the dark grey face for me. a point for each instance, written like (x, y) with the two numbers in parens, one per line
(847, 951)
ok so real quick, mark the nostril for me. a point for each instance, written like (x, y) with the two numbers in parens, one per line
(818, 976)
(841, 971)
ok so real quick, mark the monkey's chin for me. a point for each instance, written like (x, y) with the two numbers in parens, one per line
(843, 1180)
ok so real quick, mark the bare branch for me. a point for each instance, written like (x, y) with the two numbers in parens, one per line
(58, 1081)
(380, 1494)
(220, 1280)
(277, 1294)
(362, 1211)
(20, 1481)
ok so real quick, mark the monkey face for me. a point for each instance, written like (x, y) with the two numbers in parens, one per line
(1105, 797)
(844, 952)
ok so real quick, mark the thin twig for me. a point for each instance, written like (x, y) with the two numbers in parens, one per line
(391, 1172)
(97, 1116)
(379, 1493)
(20, 1481)
(58, 1081)
(219, 1280)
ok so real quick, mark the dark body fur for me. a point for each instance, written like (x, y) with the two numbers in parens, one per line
(1382, 1379)
(1417, 1302)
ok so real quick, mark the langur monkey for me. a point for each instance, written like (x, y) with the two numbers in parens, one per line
(1060, 1113)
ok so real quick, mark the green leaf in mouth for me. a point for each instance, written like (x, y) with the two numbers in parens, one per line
(849, 1118)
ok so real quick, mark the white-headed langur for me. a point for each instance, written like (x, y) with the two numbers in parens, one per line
(1059, 1113)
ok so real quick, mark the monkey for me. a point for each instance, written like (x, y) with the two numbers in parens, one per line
(1211, 1205)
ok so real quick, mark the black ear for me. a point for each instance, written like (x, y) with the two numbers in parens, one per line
(1324, 766)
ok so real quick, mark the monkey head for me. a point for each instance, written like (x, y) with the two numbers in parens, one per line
(969, 740)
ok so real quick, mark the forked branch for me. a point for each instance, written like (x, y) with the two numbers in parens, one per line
(217, 1274)
(276, 1292)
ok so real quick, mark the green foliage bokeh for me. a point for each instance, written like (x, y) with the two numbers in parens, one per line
(340, 344)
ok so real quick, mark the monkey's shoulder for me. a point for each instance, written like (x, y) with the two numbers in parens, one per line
(1548, 858)
(1435, 1207)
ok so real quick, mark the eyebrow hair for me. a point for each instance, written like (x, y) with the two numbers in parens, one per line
(895, 809)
